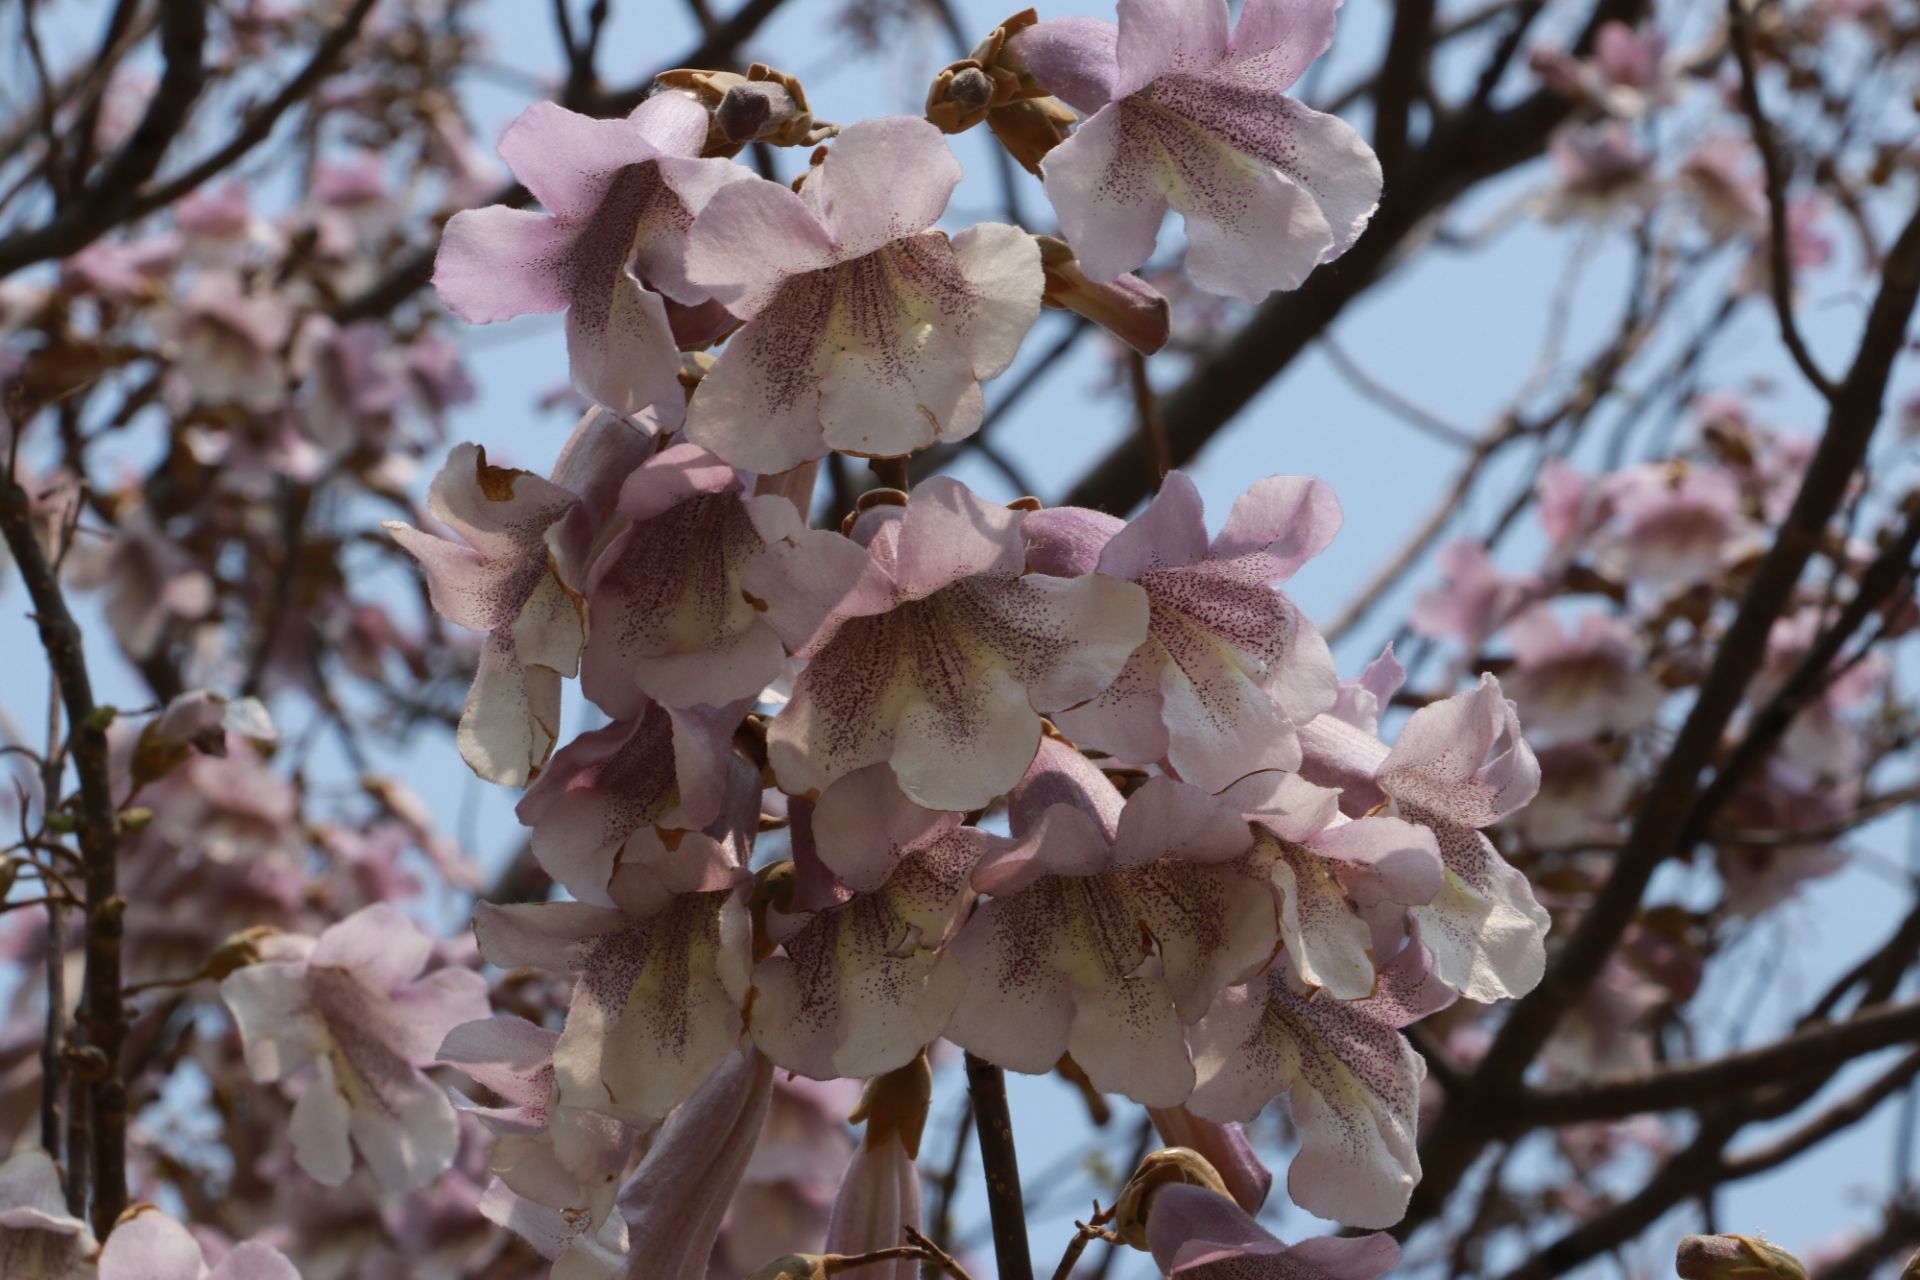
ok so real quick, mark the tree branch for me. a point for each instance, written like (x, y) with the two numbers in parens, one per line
(987, 1086)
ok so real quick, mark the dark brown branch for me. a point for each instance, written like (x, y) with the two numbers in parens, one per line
(1670, 811)
(1818, 1050)
(106, 201)
(1840, 1116)
(987, 1086)
(103, 1015)
(1403, 77)
(1779, 252)
(259, 122)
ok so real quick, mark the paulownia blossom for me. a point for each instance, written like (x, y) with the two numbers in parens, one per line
(867, 331)
(1331, 875)
(354, 1006)
(1230, 666)
(149, 1245)
(656, 998)
(879, 1194)
(1181, 113)
(1458, 765)
(39, 1238)
(555, 1165)
(1352, 1081)
(621, 815)
(666, 619)
(937, 653)
(1198, 1234)
(502, 581)
(862, 985)
(620, 196)
(1111, 926)
(1581, 684)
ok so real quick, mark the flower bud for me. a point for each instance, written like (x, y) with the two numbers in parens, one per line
(763, 105)
(1171, 1166)
(993, 85)
(1735, 1258)
(1127, 307)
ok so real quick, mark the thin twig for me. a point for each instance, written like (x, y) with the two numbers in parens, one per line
(993, 1124)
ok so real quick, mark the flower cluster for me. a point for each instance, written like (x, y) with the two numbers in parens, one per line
(1044, 784)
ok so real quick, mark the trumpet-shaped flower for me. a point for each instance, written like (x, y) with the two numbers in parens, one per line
(930, 650)
(621, 816)
(867, 331)
(502, 580)
(148, 1245)
(861, 986)
(1230, 667)
(353, 1005)
(1352, 1080)
(1196, 1233)
(656, 998)
(39, 1239)
(1459, 765)
(620, 197)
(1183, 114)
(1112, 925)
(666, 619)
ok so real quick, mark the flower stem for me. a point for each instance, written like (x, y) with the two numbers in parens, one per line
(987, 1085)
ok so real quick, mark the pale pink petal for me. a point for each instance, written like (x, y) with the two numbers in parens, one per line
(1485, 927)
(1066, 541)
(622, 350)
(1170, 534)
(512, 717)
(148, 1245)
(1165, 818)
(1286, 520)
(1163, 37)
(1103, 183)
(380, 946)
(1073, 57)
(879, 1196)
(1463, 758)
(1001, 266)
(863, 825)
(1353, 1082)
(495, 264)
(750, 238)
(673, 123)
(882, 180)
(1277, 40)
(320, 1129)
(254, 1261)
(950, 532)
(567, 159)
(1386, 860)
(1328, 945)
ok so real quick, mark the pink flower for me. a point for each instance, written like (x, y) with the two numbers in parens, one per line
(1673, 526)
(936, 655)
(622, 814)
(1182, 114)
(1477, 600)
(38, 1237)
(1334, 877)
(1111, 926)
(1230, 666)
(620, 195)
(557, 1158)
(865, 981)
(1352, 1080)
(880, 1191)
(354, 1006)
(1459, 765)
(226, 345)
(657, 998)
(148, 1245)
(666, 616)
(1199, 1234)
(867, 331)
(1583, 683)
(502, 581)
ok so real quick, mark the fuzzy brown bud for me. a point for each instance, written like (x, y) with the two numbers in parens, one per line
(1165, 1167)
(993, 85)
(1735, 1258)
(764, 105)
